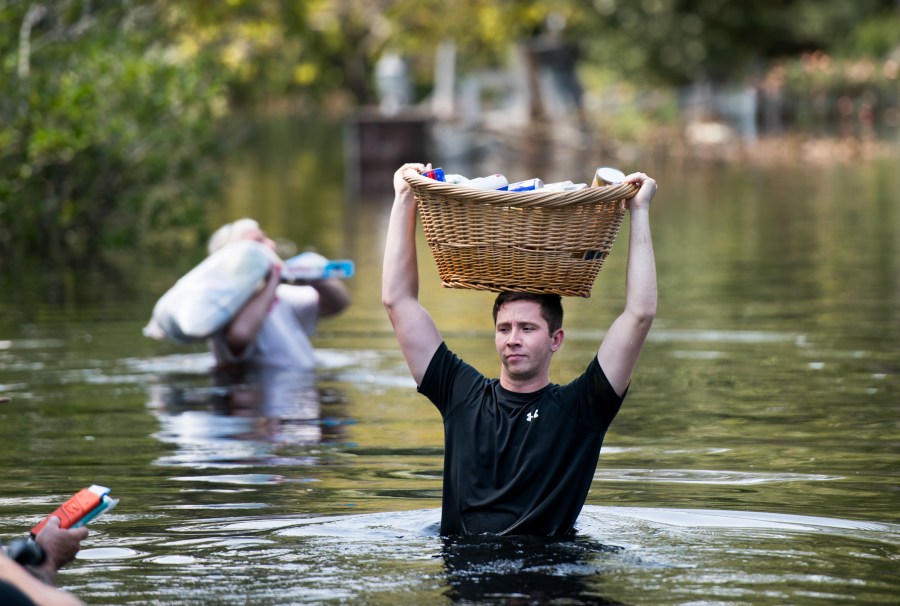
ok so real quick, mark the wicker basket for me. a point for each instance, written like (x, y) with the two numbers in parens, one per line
(542, 242)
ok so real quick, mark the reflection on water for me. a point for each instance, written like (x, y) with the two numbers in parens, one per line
(245, 418)
(524, 570)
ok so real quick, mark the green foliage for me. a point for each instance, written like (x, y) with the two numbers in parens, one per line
(107, 134)
(680, 41)
(267, 49)
(876, 37)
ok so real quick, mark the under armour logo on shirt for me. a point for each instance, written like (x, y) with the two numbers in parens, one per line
(531, 416)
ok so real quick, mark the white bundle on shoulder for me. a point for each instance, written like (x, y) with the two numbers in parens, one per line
(207, 297)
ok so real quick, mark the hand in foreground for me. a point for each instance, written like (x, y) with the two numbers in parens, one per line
(400, 184)
(60, 546)
(645, 194)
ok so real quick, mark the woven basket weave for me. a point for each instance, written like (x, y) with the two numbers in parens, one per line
(541, 242)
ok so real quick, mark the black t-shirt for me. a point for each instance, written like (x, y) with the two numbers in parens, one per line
(516, 463)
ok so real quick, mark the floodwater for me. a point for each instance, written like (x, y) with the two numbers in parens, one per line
(754, 461)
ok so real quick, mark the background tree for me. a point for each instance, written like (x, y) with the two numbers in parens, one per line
(107, 131)
(113, 114)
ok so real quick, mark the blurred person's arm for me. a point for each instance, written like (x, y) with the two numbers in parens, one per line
(243, 329)
(37, 591)
(333, 296)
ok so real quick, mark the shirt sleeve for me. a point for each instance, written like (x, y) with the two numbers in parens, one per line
(592, 400)
(449, 381)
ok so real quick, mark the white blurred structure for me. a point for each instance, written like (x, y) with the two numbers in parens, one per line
(392, 83)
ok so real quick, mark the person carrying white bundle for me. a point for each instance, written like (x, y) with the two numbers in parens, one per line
(274, 327)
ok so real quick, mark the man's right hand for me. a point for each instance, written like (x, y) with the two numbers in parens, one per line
(400, 184)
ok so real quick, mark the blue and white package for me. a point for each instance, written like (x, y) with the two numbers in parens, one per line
(527, 185)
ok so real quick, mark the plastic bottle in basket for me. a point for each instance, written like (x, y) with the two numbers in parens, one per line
(527, 185)
(606, 175)
(496, 181)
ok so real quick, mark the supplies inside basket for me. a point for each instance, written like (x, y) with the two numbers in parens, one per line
(604, 175)
(549, 238)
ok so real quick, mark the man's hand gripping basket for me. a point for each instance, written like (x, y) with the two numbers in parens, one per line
(542, 242)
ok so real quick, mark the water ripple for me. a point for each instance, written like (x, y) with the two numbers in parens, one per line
(595, 522)
(736, 520)
(706, 476)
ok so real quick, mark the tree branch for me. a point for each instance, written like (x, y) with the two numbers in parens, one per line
(34, 14)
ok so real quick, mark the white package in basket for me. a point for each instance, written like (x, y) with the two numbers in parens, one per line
(207, 297)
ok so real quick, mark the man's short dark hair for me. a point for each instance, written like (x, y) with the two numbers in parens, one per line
(551, 306)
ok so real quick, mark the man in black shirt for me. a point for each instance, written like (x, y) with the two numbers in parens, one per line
(520, 451)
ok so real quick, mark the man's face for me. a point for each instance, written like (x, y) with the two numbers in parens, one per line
(523, 340)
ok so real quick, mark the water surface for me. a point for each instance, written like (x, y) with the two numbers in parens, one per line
(754, 460)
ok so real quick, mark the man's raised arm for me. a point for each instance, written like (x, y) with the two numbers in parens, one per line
(418, 335)
(619, 351)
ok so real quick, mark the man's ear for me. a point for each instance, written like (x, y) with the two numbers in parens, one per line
(556, 340)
